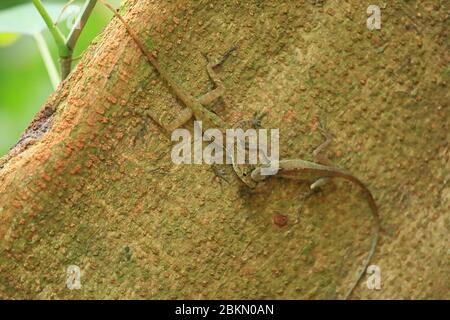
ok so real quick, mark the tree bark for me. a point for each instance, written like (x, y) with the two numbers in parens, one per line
(96, 187)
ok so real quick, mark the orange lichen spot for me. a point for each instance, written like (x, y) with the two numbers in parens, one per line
(68, 151)
(112, 99)
(76, 102)
(33, 189)
(338, 153)
(75, 169)
(89, 163)
(119, 135)
(123, 102)
(235, 116)
(59, 165)
(280, 220)
(76, 196)
(24, 196)
(93, 157)
(41, 184)
(16, 204)
(314, 124)
(127, 60)
(289, 116)
(154, 130)
(91, 121)
(72, 100)
(46, 177)
(22, 221)
(100, 110)
(80, 144)
(123, 76)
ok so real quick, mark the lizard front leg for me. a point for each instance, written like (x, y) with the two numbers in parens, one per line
(170, 124)
(197, 107)
(186, 114)
(219, 89)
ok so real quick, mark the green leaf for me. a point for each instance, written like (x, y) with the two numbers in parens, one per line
(11, 3)
(25, 19)
(7, 39)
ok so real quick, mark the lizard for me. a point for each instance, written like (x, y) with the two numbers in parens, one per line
(250, 175)
(195, 107)
(318, 173)
(303, 170)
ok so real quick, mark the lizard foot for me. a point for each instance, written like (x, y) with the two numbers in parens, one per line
(219, 173)
(318, 153)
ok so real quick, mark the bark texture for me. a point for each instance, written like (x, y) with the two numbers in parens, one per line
(98, 189)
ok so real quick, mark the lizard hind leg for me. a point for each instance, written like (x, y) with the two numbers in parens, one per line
(319, 183)
(219, 89)
(319, 152)
(320, 157)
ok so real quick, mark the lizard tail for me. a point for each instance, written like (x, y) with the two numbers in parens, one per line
(376, 231)
(376, 235)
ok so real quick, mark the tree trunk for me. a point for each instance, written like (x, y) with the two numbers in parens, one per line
(93, 185)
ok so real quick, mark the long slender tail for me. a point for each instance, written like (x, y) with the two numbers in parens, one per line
(375, 237)
(181, 94)
(338, 173)
(295, 169)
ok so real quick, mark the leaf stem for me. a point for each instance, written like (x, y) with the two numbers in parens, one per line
(49, 64)
(66, 46)
(58, 37)
(66, 63)
(80, 23)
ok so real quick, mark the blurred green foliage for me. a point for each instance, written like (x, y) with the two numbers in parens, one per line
(24, 81)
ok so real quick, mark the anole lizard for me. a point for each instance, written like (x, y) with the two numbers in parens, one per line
(310, 171)
(290, 169)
